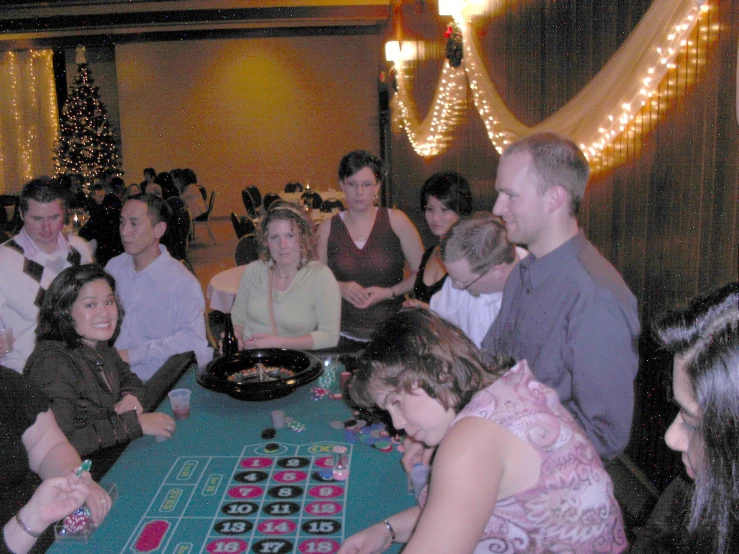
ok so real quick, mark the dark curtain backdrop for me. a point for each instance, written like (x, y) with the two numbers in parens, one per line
(666, 217)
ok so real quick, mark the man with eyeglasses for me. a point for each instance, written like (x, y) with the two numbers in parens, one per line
(478, 259)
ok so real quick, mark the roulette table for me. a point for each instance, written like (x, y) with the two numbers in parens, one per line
(218, 486)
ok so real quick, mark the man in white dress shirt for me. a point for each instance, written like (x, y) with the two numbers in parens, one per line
(163, 301)
(478, 259)
(30, 261)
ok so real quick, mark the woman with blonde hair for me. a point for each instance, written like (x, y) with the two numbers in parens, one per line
(287, 299)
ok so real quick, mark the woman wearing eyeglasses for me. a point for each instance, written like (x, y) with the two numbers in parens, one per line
(367, 248)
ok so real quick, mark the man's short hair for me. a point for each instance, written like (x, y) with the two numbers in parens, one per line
(150, 171)
(556, 161)
(44, 190)
(157, 208)
(481, 240)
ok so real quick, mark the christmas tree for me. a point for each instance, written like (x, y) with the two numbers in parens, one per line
(86, 145)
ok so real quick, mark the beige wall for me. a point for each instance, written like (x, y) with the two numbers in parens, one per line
(264, 111)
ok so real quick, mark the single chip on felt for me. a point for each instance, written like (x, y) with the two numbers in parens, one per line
(337, 424)
(271, 447)
(383, 445)
(324, 475)
(337, 396)
(269, 433)
(360, 423)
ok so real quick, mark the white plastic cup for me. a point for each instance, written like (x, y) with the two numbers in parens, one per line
(278, 419)
(180, 401)
(419, 478)
(6, 340)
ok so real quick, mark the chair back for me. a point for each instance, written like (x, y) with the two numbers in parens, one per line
(268, 199)
(294, 187)
(252, 200)
(236, 224)
(312, 199)
(175, 203)
(177, 236)
(246, 225)
(247, 249)
(11, 225)
(206, 215)
(332, 205)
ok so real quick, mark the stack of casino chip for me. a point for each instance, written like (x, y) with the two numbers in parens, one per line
(318, 393)
(78, 521)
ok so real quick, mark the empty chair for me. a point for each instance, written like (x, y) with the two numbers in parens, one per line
(246, 250)
(332, 205)
(312, 199)
(206, 216)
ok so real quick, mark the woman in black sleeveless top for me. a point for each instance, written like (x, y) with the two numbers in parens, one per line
(445, 197)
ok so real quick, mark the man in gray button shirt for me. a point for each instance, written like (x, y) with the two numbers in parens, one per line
(566, 310)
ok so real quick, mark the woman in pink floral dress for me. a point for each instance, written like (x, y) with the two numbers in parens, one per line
(513, 472)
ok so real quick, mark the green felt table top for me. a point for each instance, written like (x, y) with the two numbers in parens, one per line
(221, 426)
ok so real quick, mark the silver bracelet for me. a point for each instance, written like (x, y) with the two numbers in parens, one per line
(37, 535)
(390, 528)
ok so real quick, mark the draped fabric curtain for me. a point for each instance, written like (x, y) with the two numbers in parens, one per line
(593, 118)
(616, 91)
(29, 118)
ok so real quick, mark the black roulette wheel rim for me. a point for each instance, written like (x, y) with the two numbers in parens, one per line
(303, 366)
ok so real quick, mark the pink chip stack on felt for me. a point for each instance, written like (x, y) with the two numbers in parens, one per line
(78, 521)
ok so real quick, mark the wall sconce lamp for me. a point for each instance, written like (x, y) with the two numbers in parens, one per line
(392, 51)
(450, 7)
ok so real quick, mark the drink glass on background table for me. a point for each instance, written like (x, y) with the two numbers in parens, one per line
(180, 401)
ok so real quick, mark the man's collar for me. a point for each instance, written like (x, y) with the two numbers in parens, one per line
(162, 250)
(31, 249)
(541, 269)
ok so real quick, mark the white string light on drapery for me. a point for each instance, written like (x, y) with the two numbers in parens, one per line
(431, 136)
(28, 116)
(607, 107)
